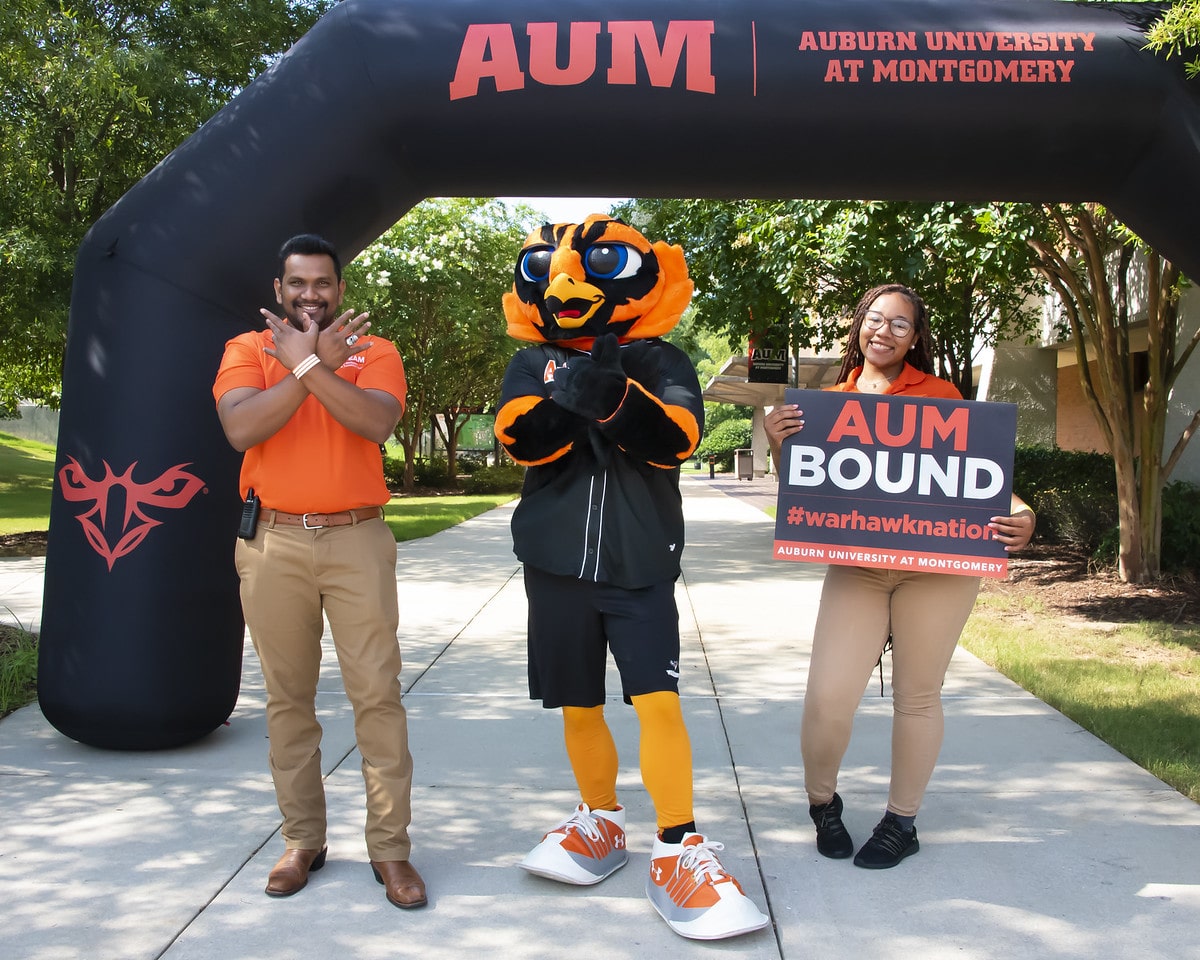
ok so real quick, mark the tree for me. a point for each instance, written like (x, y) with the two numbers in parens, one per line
(805, 263)
(1093, 267)
(737, 294)
(433, 285)
(92, 95)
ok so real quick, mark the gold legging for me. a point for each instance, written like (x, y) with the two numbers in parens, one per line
(925, 614)
(666, 756)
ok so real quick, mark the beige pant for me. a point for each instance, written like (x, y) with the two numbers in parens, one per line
(925, 613)
(288, 576)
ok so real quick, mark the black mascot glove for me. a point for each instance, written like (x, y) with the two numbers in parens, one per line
(592, 387)
(640, 360)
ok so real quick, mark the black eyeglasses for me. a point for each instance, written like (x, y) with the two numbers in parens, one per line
(900, 326)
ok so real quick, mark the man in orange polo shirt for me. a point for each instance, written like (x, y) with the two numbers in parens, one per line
(308, 401)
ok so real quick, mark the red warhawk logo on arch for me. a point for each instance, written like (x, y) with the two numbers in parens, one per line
(113, 538)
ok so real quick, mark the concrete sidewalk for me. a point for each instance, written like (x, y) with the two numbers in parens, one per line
(1037, 840)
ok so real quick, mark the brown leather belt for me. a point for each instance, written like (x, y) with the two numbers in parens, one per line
(314, 521)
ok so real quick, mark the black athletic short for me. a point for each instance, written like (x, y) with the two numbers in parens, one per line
(574, 623)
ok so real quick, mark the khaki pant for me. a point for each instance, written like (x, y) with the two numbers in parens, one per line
(289, 575)
(925, 613)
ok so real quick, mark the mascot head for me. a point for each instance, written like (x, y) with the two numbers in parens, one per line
(575, 282)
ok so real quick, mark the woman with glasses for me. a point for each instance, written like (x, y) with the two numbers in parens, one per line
(887, 352)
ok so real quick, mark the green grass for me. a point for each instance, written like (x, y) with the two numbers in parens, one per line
(411, 518)
(26, 482)
(1135, 686)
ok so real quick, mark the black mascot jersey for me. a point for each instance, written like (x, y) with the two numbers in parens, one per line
(600, 410)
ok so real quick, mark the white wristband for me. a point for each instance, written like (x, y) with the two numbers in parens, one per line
(300, 369)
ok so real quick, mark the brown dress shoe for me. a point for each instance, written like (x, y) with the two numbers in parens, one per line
(290, 874)
(402, 884)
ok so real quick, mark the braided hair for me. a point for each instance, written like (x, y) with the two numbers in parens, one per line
(920, 355)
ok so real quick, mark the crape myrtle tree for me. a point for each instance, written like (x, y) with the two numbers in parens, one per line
(433, 285)
(94, 93)
(1106, 280)
(1102, 274)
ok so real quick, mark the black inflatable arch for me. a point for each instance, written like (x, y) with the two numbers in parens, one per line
(386, 102)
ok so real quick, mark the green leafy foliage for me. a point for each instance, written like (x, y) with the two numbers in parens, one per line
(1180, 531)
(501, 478)
(432, 472)
(93, 94)
(1073, 493)
(1177, 33)
(433, 285)
(723, 440)
(804, 264)
(393, 472)
(716, 414)
(18, 668)
(1181, 527)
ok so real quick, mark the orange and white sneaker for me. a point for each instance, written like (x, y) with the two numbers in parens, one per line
(693, 893)
(584, 849)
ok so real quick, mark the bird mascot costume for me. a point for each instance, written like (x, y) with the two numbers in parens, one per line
(602, 413)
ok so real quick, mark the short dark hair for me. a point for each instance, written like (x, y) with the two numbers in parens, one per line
(309, 244)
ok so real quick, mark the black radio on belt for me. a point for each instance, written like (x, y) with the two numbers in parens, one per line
(249, 522)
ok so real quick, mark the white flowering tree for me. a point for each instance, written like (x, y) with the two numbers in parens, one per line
(433, 285)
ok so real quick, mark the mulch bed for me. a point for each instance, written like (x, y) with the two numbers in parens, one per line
(23, 544)
(1067, 584)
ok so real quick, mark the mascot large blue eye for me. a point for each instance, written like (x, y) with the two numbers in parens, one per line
(534, 264)
(611, 261)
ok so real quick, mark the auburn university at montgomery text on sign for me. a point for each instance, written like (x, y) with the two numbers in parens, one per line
(896, 482)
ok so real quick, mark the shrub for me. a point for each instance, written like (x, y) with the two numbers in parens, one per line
(393, 472)
(716, 414)
(502, 478)
(432, 472)
(468, 461)
(1181, 527)
(18, 668)
(1074, 494)
(723, 440)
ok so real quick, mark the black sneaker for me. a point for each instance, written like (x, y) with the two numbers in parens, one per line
(833, 840)
(889, 844)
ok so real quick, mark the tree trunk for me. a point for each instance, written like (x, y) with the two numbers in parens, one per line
(408, 444)
(1092, 253)
(1131, 558)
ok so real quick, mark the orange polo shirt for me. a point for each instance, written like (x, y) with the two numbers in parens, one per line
(313, 464)
(911, 381)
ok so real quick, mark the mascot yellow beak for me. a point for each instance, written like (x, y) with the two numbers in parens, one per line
(571, 300)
